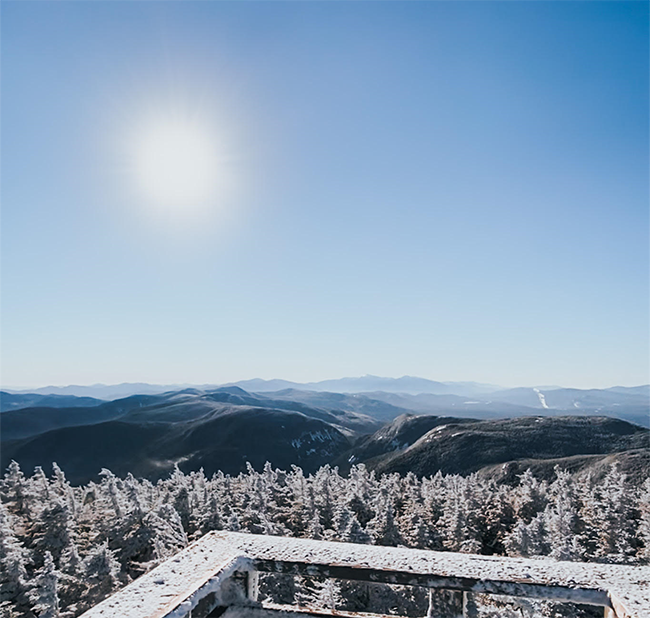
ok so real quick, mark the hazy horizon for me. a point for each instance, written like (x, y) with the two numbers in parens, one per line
(242, 380)
(206, 190)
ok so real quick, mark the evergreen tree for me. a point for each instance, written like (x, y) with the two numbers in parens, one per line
(13, 561)
(53, 529)
(315, 529)
(111, 493)
(458, 522)
(318, 594)
(519, 541)
(529, 497)
(609, 511)
(382, 528)
(101, 571)
(15, 490)
(355, 533)
(561, 519)
(70, 561)
(340, 521)
(361, 487)
(44, 596)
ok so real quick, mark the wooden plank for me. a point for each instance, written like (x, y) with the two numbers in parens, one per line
(595, 597)
(207, 567)
(253, 585)
(628, 585)
(323, 612)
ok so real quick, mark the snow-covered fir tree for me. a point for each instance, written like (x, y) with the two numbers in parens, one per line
(44, 595)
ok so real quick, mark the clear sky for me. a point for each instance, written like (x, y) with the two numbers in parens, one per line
(453, 190)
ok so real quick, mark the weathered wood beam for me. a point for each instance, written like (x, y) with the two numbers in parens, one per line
(252, 585)
(229, 586)
(212, 572)
(594, 597)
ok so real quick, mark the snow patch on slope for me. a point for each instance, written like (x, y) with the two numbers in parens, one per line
(541, 397)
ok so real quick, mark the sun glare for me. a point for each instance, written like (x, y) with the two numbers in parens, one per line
(176, 164)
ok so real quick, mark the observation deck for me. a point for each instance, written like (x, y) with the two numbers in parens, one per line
(217, 576)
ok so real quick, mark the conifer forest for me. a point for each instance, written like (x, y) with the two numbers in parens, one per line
(64, 548)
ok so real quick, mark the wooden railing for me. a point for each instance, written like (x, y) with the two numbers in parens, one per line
(218, 576)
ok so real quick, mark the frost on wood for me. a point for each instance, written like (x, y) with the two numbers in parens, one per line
(207, 567)
(176, 586)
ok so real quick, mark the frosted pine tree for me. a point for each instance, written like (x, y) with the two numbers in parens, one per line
(318, 594)
(211, 517)
(70, 561)
(458, 522)
(519, 542)
(53, 529)
(328, 594)
(355, 533)
(111, 494)
(496, 517)
(607, 515)
(232, 523)
(39, 485)
(414, 530)
(44, 595)
(413, 526)
(101, 571)
(434, 497)
(340, 521)
(301, 504)
(561, 519)
(324, 499)
(382, 528)
(135, 500)
(166, 526)
(13, 560)
(62, 488)
(315, 528)
(15, 490)
(59, 482)
(529, 497)
(361, 488)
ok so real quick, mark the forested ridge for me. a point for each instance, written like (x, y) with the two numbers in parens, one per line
(64, 548)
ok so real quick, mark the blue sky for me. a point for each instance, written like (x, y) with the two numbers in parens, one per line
(454, 190)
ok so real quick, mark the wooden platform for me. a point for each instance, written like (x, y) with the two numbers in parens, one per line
(220, 570)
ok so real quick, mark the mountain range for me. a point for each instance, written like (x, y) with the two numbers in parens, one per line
(405, 394)
(225, 428)
(405, 384)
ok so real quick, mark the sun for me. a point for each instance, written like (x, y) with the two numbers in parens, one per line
(175, 164)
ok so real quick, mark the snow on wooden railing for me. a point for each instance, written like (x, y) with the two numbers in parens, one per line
(219, 571)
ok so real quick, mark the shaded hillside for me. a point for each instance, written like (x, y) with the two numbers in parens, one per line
(348, 402)
(398, 435)
(225, 438)
(15, 401)
(359, 419)
(85, 450)
(192, 403)
(452, 405)
(634, 464)
(27, 422)
(468, 447)
(173, 406)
